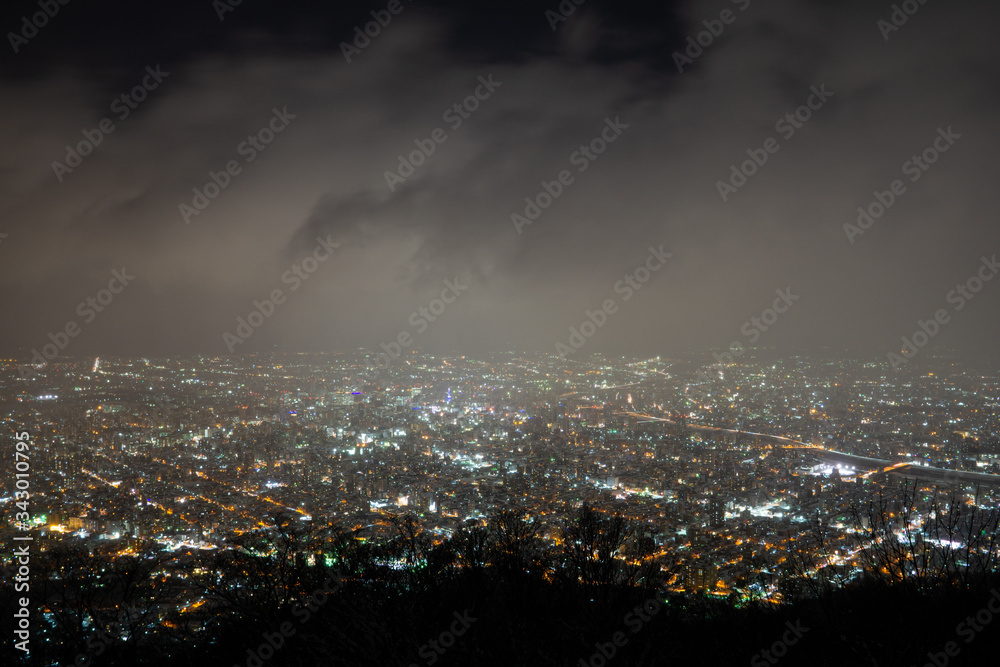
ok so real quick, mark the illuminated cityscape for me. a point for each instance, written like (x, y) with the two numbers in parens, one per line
(730, 481)
(581, 333)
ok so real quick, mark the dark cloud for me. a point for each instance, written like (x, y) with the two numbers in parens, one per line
(656, 184)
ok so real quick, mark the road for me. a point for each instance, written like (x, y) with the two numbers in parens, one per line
(909, 470)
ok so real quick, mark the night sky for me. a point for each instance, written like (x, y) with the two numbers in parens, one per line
(661, 176)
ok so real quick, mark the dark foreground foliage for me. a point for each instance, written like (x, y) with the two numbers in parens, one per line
(489, 595)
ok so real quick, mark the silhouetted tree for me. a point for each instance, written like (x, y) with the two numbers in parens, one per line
(949, 542)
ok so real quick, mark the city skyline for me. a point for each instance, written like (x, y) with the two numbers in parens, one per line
(740, 483)
(582, 332)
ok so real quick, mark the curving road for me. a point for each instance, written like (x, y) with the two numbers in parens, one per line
(909, 470)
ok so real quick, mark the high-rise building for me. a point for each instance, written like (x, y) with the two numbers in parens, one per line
(716, 511)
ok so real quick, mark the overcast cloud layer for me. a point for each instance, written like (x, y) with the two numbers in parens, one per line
(324, 176)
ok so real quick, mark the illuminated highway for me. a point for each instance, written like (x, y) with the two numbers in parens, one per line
(872, 466)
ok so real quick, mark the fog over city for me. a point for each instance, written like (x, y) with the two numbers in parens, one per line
(424, 332)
